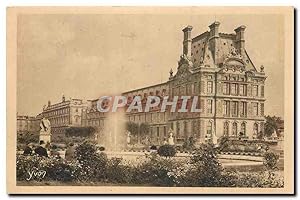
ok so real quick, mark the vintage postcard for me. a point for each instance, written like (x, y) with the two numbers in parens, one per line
(150, 100)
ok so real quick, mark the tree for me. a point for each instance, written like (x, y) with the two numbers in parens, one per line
(133, 128)
(80, 131)
(271, 125)
(144, 129)
(27, 137)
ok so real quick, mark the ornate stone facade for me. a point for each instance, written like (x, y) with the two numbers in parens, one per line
(64, 114)
(27, 124)
(215, 67)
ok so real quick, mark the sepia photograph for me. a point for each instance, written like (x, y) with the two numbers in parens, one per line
(150, 100)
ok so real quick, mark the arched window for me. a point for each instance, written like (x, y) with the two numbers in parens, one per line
(234, 129)
(243, 129)
(226, 129)
(209, 128)
(76, 119)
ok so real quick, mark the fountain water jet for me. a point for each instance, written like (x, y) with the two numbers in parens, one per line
(114, 132)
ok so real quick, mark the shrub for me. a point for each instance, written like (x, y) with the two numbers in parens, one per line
(260, 179)
(166, 151)
(156, 171)
(206, 170)
(93, 164)
(80, 131)
(270, 160)
(28, 137)
(223, 143)
(119, 173)
(101, 148)
(60, 171)
(189, 144)
(153, 147)
(56, 169)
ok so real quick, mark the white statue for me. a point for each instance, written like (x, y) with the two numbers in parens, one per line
(45, 132)
(128, 137)
(171, 138)
(214, 137)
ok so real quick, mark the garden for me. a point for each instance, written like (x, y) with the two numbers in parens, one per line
(91, 166)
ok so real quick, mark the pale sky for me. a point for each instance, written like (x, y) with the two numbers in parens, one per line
(84, 56)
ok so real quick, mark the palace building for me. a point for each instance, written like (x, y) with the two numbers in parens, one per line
(64, 114)
(215, 67)
(27, 124)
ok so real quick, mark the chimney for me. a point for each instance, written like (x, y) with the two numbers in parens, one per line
(187, 41)
(240, 39)
(214, 35)
(63, 98)
(214, 29)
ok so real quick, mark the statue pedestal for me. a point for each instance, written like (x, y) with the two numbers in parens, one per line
(46, 137)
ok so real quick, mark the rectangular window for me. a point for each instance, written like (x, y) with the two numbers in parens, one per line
(165, 131)
(262, 109)
(235, 108)
(234, 88)
(225, 88)
(243, 89)
(177, 91)
(209, 87)
(243, 109)
(183, 90)
(209, 128)
(255, 109)
(201, 104)
(195, 87)
(262, 91)
(157, 131)
(226, 106)
(209, 106)
(255, 90)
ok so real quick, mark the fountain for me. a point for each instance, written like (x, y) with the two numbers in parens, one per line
(114, 132)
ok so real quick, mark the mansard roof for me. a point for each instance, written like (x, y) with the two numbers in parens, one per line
(202, 51)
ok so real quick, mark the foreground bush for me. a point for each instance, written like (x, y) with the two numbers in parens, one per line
(202, 170)
(92, 164)
(156, 171)
(117, 172)
(56, 169)
(265, 179)
(166, 151)
(206, 170)
(270, 160)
